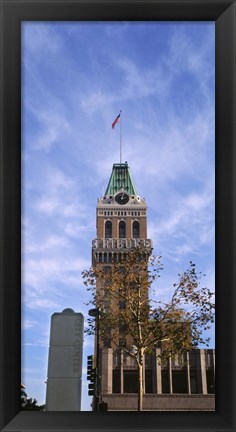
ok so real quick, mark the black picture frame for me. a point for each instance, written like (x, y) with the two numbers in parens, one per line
(13, 12)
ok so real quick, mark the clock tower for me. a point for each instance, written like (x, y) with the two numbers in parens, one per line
(121, 225)
(121, 218)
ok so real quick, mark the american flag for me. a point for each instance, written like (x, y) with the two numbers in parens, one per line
(116, 121)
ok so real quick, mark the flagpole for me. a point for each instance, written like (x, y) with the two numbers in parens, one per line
(120, 140)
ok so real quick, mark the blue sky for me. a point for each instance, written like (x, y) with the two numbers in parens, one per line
(76, 77)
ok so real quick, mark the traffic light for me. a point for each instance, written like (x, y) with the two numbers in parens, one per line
(91, 375)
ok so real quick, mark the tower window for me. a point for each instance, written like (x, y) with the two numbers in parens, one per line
(108, 229)
(122, 229)
(136, 229)
(107, 269)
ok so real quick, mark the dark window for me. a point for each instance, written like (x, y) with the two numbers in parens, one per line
(119, 257)
(130, 381)
(193, 382)
(210, 381)
(209, 358)
(107, 269)
(148, 381)
(136, 230)
(165, 381)
(148, 360)
(192, 359)
(122, 229)
(100, 257)
(179, 380)
(122, 304)
(108, 229)
(116, 381)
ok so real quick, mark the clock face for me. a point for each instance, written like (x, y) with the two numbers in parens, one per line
(122, 198)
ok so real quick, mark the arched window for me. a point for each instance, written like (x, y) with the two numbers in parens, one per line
(108, 229)
(122, 229)
(107, 269)
(136, 230)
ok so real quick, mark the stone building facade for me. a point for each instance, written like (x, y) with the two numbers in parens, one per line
(186, 383)
(121, 222)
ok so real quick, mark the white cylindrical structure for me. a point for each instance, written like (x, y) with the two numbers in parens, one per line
(65, 362)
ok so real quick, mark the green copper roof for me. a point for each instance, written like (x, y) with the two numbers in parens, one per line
(120, 178)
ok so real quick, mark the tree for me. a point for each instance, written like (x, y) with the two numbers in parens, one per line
(133, 321)
(29, 404)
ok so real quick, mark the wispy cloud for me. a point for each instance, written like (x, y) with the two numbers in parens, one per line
(75, 81)
(38, 37)
(28, 324)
